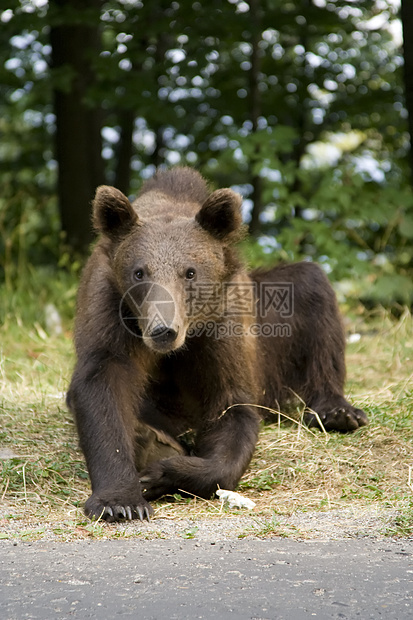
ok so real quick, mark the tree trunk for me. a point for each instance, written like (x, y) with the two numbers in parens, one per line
(75, 39)
(124, 151)
(302, 116)
(163, 42)
(407, 21)
(255, 112)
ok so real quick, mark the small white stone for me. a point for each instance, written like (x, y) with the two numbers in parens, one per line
(235, 500)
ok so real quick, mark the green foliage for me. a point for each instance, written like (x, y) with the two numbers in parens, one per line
(402, 526)
(26, 299)
(29, 226)
(190, 534)
(357, 229)
(29, 223)
(305, 96)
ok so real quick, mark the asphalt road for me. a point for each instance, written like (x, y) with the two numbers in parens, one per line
(176, 579)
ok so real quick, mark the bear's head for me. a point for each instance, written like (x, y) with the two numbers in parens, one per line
(170, 256)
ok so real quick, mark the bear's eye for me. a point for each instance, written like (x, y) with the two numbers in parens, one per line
(190, 274)
(138, 274)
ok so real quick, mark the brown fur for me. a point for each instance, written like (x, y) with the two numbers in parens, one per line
(149, 398)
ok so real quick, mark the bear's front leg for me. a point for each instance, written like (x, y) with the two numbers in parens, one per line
(103, 398)
(117, 504)
(222, 453)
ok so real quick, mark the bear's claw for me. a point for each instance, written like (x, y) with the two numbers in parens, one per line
(109, 511)
(342, 418)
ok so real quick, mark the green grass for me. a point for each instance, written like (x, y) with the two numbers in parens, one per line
(402, 525)
(44, 482)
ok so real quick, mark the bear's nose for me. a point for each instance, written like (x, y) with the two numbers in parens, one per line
(164, 335)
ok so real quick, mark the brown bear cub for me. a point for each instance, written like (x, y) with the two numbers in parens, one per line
(176, 343)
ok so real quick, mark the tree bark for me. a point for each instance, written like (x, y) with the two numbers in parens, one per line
(124, 151)
(162, 44)
(407, 21)
(75, 38)
(255, 112)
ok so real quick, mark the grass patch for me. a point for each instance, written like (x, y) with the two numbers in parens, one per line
(402, 525)
(295, 470)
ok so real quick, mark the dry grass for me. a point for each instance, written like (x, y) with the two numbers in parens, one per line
(294, 470)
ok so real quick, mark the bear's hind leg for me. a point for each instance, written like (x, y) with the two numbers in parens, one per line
(335, 414)
(154, 445)
(317, 352)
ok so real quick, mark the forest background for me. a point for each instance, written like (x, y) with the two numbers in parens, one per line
(302, 106)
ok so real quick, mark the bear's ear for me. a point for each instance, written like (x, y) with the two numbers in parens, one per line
(220, 215)
(113, 214)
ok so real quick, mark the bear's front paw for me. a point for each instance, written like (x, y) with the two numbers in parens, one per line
(117, 508)
(342, 418)
(156, 482)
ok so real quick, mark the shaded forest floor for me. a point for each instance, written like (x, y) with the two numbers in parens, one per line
(305, 483)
